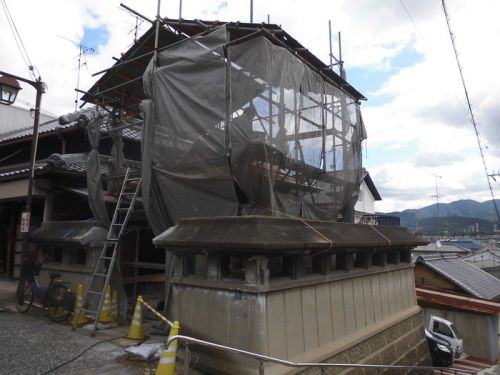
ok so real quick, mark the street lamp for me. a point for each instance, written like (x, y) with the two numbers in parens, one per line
(9, 87)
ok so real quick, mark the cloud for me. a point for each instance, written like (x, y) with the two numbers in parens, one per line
(415, 115)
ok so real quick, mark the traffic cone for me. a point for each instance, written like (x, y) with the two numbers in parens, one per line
(114, 305)
(167, 360)
(135, 331)
(105, 314)
(79, 303)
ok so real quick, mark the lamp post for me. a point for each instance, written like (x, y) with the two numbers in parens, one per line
(9, 87)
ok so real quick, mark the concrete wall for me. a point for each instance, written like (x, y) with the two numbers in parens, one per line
(296, 323)
(480, 332)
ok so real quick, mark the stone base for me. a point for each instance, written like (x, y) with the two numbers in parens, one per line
(402, 344)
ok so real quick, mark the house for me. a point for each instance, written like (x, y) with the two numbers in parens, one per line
(487, 258)
(438, 248)
(368, 195)
(454, 289)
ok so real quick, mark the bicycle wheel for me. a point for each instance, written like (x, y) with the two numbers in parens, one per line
(25, 295)
(60, 303)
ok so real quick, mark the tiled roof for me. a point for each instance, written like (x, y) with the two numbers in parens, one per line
(49, 126)
(134, 132)
(465, 275)
(75, 163)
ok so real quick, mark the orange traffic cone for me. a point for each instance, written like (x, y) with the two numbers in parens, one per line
(135, 331)
(167, 360)
(105, 314)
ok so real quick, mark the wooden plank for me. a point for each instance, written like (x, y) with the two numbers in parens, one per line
(338, 309)
(350, 320)
(309, 314)
(384, 292)
(276, 328)
(359, 303)
(219, 316)
(294, 322)
(391, 290)
(377, 298)
(324, 314)
(368, 298)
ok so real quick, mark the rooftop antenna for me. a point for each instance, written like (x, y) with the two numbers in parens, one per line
(437, 196)
(83, 51)
(338, 61)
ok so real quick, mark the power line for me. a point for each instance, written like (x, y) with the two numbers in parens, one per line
(472, 118)
(19, 41)
(411, 19)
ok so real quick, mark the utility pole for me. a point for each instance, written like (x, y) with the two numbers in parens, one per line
(437, 196)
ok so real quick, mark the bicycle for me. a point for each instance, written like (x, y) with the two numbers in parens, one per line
(58, 299)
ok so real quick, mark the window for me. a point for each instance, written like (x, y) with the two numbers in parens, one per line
(52, 254)
(77, 257)
(442, 329)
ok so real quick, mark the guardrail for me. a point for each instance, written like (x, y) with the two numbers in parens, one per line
(323, 366)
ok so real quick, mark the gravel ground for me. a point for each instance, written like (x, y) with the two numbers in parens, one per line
(32, 344)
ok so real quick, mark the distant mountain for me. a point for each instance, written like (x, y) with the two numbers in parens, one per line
(458, 215)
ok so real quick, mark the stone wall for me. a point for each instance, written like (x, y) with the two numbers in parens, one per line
(401, 344)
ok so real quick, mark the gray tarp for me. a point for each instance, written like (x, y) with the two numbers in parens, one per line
(257, 133)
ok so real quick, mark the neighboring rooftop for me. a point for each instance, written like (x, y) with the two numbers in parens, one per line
(13, 118)
(440, 248)
(132, 132)
(487, 257)
(466, 276)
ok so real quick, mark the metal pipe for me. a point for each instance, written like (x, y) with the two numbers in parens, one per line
(330, 38)
(180, 9)
(251, 11)
(136, 13)
(265, 358)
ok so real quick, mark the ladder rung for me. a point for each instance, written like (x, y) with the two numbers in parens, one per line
(122, 209)
(132, 179)
(100, 274)
(117, 224)
(128, 193)
(94, 292)
(106, 257)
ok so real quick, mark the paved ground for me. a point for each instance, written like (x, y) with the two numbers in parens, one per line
(32, 344)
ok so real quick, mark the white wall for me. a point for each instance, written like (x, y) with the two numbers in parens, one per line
(366, 201)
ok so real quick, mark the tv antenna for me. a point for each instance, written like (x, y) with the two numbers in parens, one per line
(83, 51)
(437, 196)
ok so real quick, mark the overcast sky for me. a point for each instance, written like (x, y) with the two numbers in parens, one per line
(415, 115)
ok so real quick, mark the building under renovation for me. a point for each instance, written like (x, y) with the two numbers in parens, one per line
(251, 167)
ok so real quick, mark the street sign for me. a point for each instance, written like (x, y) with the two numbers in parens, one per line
(25, 222)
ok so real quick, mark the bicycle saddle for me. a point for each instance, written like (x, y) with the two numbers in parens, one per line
(54, 275)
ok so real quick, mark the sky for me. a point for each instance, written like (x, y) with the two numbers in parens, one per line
(401, 60)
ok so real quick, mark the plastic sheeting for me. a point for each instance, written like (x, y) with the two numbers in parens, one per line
(258, 132)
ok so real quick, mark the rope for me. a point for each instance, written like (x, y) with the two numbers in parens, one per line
(376, 230)
(304, 222)
(162, 318)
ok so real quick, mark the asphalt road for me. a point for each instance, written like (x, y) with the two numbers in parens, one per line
(31, 344)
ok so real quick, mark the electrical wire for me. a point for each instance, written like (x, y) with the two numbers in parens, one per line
(79, 355)
(19, 41)
(471, 113)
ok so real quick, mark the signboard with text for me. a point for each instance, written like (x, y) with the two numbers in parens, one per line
(25, 222)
